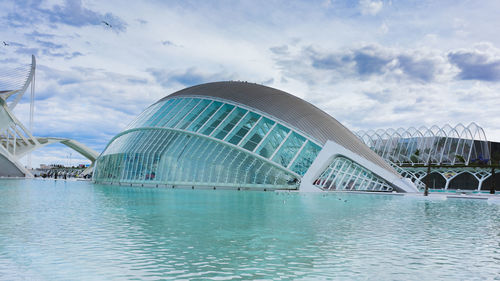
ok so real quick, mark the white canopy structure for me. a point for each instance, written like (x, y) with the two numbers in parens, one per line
(456, 154)
(16, 140)
(449, 145)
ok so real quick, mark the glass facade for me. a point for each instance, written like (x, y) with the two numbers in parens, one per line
(345, 174)
(206, 142)
(177, 158)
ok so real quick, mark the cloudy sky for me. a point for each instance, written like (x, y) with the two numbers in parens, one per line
(368, 63)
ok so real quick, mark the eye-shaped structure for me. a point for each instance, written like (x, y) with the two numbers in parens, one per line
(241, 135)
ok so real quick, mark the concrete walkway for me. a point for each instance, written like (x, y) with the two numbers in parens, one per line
(490, 198)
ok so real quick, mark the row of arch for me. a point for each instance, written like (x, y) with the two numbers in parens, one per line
(435, 145)
(457, 178)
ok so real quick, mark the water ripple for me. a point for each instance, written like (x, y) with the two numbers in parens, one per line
(75, 230)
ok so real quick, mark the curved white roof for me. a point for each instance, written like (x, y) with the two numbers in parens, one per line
(288, 108)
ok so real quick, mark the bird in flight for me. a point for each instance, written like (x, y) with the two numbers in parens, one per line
(5, 43)
(107, 24)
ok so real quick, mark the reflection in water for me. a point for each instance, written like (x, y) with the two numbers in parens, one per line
(76, 230)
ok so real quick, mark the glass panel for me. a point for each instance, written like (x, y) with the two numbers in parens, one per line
(182, 113)
(144, 116)
(289, 149)
(176, 158)
(173, 112)
(305, 158)
(229, 123)
(243, 127)
(257, 134)
(348, 175)
(193, 114)
(170, 104)
(155, 114)
(202, 118)
(151, 114)
(272, 141)
(216, 119)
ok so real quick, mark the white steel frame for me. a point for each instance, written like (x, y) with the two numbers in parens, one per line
(435, 145)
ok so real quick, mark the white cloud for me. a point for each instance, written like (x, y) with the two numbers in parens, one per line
(371, 86)
(384, 28)
(370, 7)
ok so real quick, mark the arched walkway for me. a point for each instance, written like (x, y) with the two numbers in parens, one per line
(435, 180)
(464, 181)
(489, 182)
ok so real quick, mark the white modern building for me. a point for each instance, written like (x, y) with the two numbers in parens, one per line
(244, 136)
(17, 141)
(444, 157)
(437, 145)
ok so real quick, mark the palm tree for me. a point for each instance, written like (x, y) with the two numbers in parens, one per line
(460, 158)
(426, 191)
(492, 188)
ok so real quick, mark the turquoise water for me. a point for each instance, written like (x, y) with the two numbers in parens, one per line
(57, 230)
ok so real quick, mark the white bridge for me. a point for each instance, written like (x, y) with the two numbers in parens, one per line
(17, 141)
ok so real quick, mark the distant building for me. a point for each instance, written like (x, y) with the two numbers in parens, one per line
(460, 156)
(17, 141)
